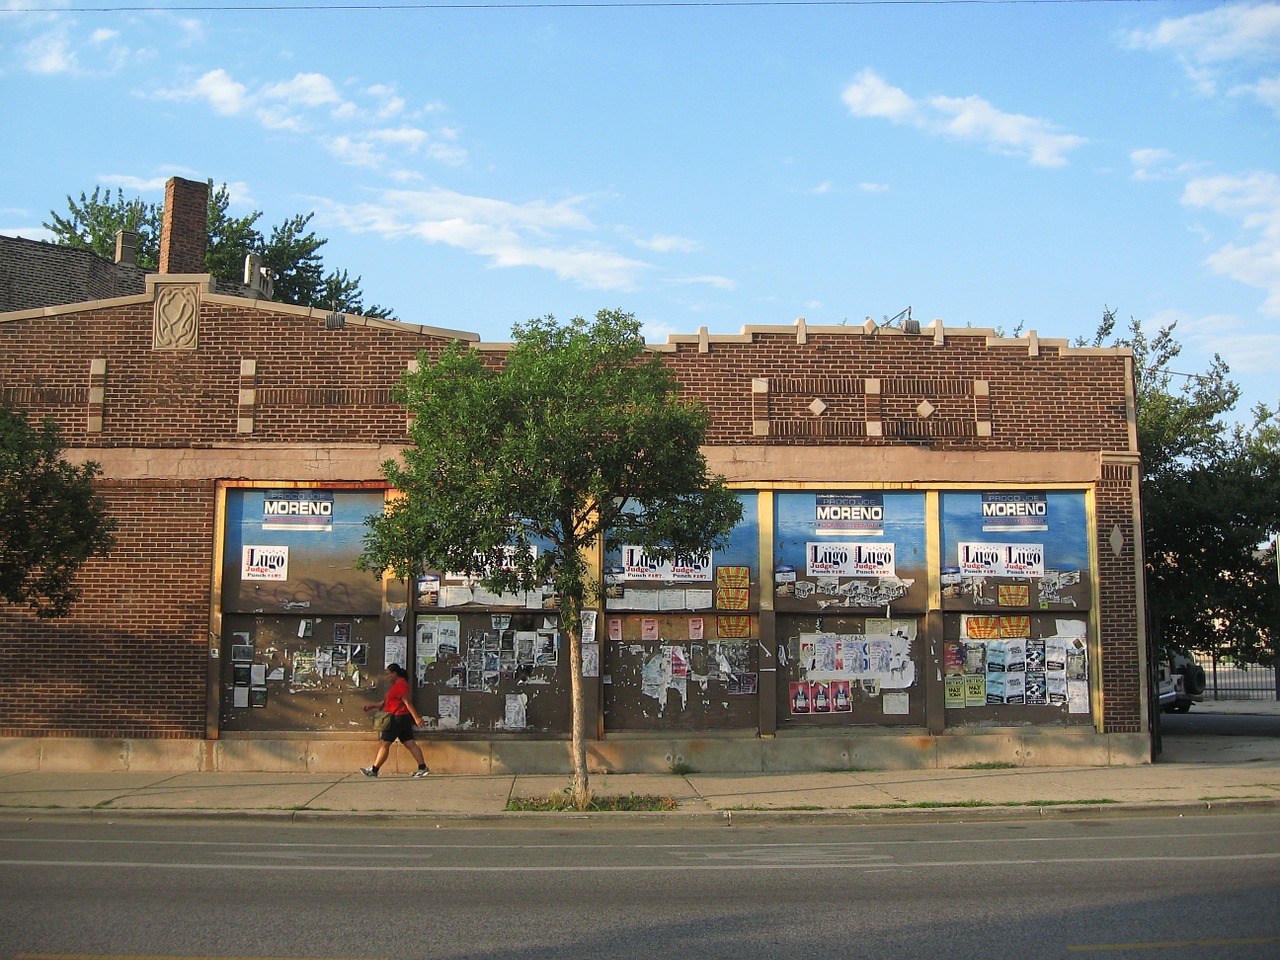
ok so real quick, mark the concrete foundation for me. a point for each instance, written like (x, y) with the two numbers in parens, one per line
(786, 753)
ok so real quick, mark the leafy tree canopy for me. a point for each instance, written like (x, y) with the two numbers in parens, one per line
(291, 251)
(1210, 499)
(579, 435)
(51, 520)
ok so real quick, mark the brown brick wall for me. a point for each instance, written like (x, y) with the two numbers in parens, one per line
(35, 274)
(314, 385)
(318, 385)
(1122, 677)
(131, 659)
(1043, 403)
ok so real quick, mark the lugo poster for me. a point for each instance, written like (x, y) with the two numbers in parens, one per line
(1019, 549)
(850, 550)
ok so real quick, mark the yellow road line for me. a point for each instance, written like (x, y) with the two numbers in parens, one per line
(1151, 944)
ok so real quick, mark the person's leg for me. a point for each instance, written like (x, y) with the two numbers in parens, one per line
(416, 751)
(384, 749)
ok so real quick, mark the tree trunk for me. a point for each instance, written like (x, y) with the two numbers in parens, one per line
(571, 617)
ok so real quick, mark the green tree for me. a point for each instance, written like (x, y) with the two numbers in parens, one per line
(1210, 499)
(229, 239)
(291, 251)
(579, 437)
(51, 519)
(91, 223)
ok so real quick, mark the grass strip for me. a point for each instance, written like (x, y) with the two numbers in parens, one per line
(564, 803)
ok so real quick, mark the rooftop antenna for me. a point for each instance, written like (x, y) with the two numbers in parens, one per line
(335, 320)
(908, 325)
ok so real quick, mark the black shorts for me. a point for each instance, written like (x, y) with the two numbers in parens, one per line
(400, 728)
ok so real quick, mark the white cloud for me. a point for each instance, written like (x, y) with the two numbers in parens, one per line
(1254, 202)
(448, 153)
(1266, 91)
(409, 137)
(139, 184)
(391, 104)
(48, 54)
(1237, 39)
(224, 95)
(102, 35)
(669, 244)
(719, 283)
(356, 152)
(970, 118)
(279, 118)
(535, 234)
(870, 96)
(658, 331)
(1156, 163)
(1244, 351)
(310, 103)
(29, 233)
(873, 187)
(305, 89)
(1235, 32)
(238, 193)
(370, 149)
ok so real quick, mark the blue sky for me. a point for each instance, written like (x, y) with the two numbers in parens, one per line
(989, 164)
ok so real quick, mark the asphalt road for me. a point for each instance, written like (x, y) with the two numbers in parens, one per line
(1203, 886)
(1199, 724)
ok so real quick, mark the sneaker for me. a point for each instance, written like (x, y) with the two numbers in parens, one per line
(421, 772)
(369, 771)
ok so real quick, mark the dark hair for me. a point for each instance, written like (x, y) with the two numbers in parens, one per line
(398, 670)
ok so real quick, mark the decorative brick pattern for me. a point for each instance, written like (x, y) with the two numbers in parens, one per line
(97, 395)
(248, 395)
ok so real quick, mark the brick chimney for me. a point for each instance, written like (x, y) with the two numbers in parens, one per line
(184, 232)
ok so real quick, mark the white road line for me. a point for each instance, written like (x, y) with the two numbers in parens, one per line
(653, 868)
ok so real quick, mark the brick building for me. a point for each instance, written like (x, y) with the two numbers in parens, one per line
(938, 562)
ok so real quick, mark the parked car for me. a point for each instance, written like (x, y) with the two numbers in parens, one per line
(1180, 681)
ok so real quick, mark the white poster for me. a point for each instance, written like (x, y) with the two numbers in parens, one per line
(849, 559)
(395, 650)
(639, 565)
(449, 707)
(1000, 559)
(515, 717)
(591, 659)
(264, 563)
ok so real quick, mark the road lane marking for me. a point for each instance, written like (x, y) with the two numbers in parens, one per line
(639, 868)
(916, 843)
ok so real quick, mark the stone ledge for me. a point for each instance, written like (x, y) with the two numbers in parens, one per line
(632, 754)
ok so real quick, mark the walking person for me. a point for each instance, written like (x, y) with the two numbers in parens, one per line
(404, 717)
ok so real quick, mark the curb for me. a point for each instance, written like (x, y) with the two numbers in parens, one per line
(722, 818)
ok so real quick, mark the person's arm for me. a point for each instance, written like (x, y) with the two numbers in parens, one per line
(413, 711)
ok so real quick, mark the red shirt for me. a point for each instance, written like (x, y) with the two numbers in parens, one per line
(395, 697)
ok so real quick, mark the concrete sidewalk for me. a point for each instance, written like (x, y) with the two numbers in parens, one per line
(1196, 775)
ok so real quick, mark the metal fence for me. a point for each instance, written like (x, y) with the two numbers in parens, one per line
(1226, 680)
